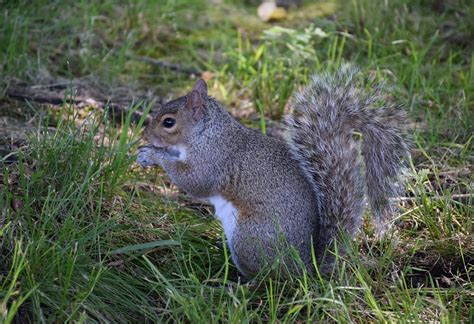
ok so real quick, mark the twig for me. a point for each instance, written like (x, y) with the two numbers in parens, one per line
(457, 197)
(114, 109)
(24, 95)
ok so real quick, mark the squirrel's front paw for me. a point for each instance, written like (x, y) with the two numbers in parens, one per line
(149, 156)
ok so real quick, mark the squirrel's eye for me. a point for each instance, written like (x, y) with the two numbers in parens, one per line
(168, 122)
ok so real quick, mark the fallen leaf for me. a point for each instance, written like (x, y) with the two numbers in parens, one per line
(269, 11)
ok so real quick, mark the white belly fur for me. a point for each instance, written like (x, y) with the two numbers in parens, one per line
(227, 214)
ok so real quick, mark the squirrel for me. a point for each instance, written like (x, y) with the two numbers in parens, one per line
(341, 144)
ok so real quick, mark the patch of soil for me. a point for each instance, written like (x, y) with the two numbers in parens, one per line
(24, 102)
(82, 94)
(446, 272)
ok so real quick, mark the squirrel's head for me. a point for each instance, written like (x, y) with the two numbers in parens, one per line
(178, 119)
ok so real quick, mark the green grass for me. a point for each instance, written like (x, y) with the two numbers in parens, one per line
(87, 236)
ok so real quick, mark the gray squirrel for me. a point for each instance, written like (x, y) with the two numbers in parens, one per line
(299, 193)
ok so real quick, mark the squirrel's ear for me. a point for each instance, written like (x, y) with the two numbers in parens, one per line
(194, 102)
(201, 87)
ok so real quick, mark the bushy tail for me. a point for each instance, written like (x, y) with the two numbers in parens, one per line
(338, 131)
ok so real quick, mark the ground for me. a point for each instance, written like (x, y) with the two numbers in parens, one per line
(87, 235)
